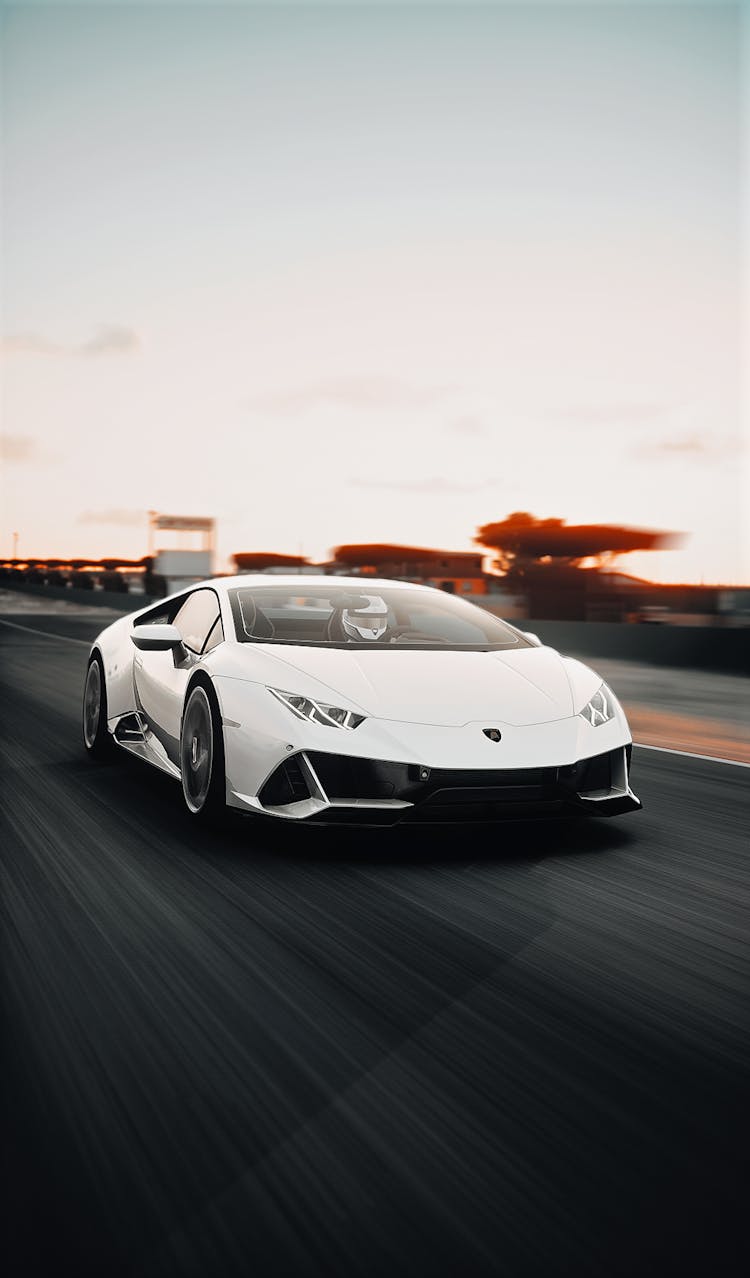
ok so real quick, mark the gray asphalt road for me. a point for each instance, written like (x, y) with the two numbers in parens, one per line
(512, 1052)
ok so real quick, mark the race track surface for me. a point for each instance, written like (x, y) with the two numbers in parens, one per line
(518, 1051)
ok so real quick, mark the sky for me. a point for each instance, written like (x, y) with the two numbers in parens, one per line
(342, 273)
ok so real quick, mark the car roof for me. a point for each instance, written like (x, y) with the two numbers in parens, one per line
(225, 584)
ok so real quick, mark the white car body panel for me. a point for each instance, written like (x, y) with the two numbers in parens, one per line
(423, 707)
(251, 759)
(441, 688)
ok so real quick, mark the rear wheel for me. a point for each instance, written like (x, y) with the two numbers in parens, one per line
(96, 738)
(202, 755)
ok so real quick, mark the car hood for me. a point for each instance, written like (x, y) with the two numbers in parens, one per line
(442, 688)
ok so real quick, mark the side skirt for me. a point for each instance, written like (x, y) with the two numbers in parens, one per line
(132, 734)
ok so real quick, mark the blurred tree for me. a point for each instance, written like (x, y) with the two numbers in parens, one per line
(524, 543)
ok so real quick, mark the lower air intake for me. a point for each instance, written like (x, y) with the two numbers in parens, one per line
(286, 784)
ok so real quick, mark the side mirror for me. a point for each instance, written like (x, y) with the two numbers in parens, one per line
(156, 638)
(532, 638)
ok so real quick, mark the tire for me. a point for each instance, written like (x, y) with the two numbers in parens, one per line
(202, 756)
(96, 739)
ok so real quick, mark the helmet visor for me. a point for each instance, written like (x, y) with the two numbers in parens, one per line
(365, 625)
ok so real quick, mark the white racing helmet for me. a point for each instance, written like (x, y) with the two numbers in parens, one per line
(366, 622)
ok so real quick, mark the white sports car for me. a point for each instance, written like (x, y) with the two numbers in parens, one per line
(314, 698)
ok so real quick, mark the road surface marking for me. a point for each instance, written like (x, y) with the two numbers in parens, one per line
(47, 634)
(688, 754)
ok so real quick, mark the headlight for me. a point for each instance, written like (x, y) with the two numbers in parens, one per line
(317, 711)
(601, 708)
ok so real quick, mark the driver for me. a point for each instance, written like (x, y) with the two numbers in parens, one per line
(368, 621)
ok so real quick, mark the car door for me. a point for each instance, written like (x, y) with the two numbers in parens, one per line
(161, 677)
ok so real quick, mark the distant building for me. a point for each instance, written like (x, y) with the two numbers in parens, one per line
(180, 565)
(459, 572)
(271, 562)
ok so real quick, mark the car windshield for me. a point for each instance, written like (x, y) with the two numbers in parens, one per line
(375, 616)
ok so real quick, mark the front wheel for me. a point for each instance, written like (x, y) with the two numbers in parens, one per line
(96, 738)
(202, 756)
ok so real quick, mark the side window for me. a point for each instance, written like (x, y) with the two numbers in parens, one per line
(151, 619)
(215, 637)
(162, 613)
(196, 618)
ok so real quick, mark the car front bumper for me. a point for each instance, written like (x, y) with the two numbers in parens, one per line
(315, 786)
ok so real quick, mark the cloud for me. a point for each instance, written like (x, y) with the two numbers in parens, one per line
(109, 339)
(693, 446)
(468, 426)
(436, 486)
(18, 448)
(120, 516)
(32, 344)
(687, 444)
(350, 392)
(612, 414)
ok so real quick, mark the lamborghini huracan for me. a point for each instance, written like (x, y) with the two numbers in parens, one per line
(324, 698)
